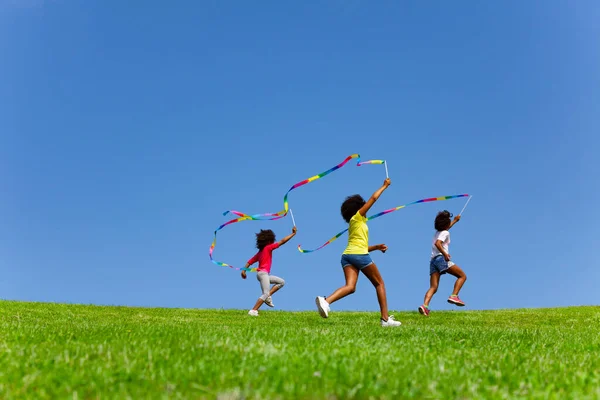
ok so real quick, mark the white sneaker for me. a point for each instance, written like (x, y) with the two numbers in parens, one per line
(253, 313)
(269, 302)
(390, 322)
(322, 306)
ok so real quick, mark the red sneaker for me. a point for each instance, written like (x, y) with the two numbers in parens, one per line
(454, 299)
(424, 310)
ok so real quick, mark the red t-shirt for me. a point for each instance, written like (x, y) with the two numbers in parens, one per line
(264, 258)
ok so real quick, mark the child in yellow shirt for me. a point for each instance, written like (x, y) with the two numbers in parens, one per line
(356, 257)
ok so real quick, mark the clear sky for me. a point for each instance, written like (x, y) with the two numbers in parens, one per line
(128, 127)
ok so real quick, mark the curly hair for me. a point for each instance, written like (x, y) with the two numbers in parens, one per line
(443, 220)
(351, 205)
(264, 238)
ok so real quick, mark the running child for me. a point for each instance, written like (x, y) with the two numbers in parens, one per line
(265, 243)
(441, 263)
(356, 257)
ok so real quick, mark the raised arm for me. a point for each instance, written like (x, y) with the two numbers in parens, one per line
(374, 197)
(456, 219)
(288, 237)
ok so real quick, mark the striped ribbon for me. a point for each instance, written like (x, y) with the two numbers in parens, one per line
(280, 214)
(382, 214)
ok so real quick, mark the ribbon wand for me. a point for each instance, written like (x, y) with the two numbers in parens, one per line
(292, 215)
(386, 170)
(468, 200)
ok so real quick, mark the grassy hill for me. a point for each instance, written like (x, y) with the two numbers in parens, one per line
(72, 351)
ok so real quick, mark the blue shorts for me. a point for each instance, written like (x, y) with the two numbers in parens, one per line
(359, 261)
(439, 264)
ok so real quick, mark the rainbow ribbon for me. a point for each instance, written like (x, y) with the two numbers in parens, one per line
(280, 214)
(382, 214)
(283, 213)
(214, 243)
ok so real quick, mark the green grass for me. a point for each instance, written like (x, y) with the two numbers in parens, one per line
(70, 351)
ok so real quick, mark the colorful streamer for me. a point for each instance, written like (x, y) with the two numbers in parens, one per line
(381, 214)
(283, 213)
(214, 243)
(280, 214)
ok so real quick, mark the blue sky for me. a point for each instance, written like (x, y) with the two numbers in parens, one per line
(127, 128)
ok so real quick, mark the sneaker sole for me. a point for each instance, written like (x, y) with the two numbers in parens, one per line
(321, 310)
(392, 326)
(423, 313)
(456, 303)
(270, 305)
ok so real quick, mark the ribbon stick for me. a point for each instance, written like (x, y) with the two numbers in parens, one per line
(292, 215)
(386, 170)
(381, 214)
(468, 200)
(279, 214)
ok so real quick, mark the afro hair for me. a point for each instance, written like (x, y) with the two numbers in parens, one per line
(351, 205)
(264, 238)
(443, 220)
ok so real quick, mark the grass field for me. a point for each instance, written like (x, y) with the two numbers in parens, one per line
(69, 351)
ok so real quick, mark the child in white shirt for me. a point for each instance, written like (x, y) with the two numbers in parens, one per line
(440, 263)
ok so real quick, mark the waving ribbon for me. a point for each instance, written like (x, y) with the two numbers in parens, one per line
(283, 213)
(280, 214)
(381, 214)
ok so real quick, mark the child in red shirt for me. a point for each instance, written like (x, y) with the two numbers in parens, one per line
(265, 243)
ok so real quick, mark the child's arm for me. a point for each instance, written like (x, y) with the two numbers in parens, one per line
(248, 264)
(244, 271)
(381, 247)
(456, 219)
(364, 209)
(288, 237)
(438, 244)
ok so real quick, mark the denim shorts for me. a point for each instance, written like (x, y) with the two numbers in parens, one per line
(359, 261)
(439, 264)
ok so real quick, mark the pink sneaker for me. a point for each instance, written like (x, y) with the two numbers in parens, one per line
(424, 310)
(454, 299)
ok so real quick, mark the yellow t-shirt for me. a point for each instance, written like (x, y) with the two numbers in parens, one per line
(358, 236)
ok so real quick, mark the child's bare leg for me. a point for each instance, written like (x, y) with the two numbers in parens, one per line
(372, 272)
(259, 303)
(456, 271)
(434, 281)
(351, 275)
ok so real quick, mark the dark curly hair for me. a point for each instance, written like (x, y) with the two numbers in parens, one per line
(264, 238)
(443, 220)
(351, 205)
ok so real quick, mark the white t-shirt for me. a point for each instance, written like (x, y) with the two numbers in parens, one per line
(444, 236)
